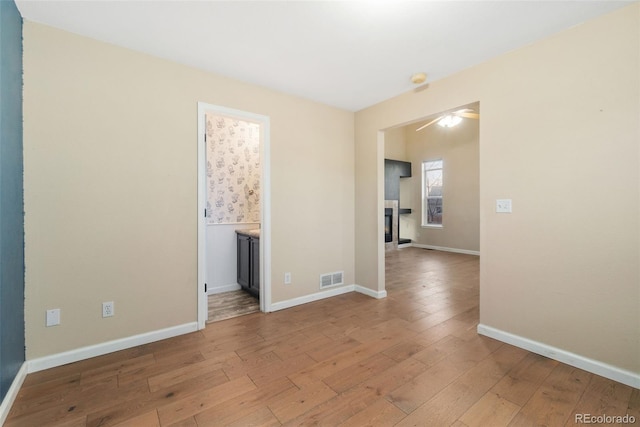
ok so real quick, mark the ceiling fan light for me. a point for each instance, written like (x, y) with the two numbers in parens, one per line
(449, 121)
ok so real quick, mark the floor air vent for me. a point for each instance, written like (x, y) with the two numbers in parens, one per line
(331, 279)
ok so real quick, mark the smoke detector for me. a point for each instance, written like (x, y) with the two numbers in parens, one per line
(418, 78)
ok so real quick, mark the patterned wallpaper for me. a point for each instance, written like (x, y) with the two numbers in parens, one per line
(233, 170)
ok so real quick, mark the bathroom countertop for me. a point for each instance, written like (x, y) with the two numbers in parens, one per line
(255, 233)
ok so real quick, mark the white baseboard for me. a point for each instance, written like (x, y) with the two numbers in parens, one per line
(326, 294)
(370, 292)
(594, 366)
(71, 356)
(276, 306)
(445, 249)
(224, 288)
(10, 397)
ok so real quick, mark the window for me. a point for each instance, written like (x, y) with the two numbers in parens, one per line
(432, 193)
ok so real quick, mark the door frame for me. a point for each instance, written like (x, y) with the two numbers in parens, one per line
(265, 205)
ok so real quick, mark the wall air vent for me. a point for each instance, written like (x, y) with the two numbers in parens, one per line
(331, 279)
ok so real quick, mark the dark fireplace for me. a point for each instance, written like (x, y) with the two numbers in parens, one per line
(388, 222)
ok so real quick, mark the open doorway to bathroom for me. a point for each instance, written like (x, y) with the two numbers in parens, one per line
(233, 238)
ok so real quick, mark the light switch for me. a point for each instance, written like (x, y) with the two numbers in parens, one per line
(53, 317)
(503, 205)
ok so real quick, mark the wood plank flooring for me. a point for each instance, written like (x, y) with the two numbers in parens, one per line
(227, 305)
(411, 359)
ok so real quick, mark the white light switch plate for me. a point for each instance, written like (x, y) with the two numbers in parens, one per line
(503, 205)
(53, 317)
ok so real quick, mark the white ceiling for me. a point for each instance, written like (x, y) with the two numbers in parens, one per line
(348, 54)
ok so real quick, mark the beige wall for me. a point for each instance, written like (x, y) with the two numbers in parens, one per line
(395, 146)
(458, 148)
(110, 152)
(559, 135)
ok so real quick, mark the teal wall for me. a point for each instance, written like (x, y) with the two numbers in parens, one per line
(11, 197)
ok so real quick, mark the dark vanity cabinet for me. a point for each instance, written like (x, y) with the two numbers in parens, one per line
(249, 261)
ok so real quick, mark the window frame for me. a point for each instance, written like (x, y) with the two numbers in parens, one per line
(425, 197)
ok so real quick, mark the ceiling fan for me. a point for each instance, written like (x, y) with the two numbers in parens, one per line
(452, 119)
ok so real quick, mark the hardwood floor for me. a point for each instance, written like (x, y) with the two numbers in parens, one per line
(411, 359)
(228, 305)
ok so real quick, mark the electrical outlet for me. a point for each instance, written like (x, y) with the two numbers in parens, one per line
(503, 205)
(107, 309)
(287, 278)
(53, 317)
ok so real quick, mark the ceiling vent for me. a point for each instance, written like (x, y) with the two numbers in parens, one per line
(331, 279)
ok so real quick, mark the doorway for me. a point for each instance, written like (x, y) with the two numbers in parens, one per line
(233, 194)
(455, 186)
